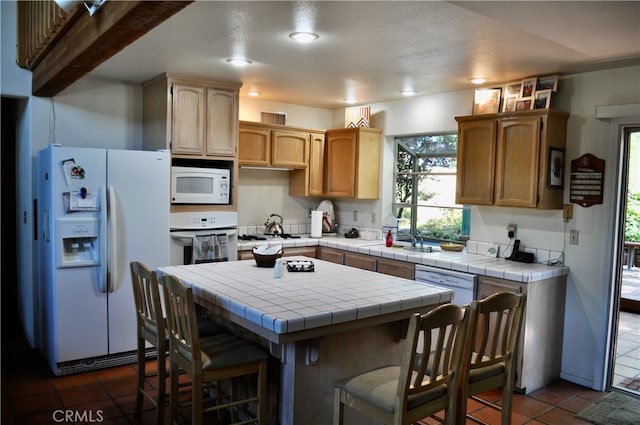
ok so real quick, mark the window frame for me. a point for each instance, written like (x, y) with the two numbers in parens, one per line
(413, 203)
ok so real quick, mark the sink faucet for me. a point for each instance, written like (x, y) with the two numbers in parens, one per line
(414, 240)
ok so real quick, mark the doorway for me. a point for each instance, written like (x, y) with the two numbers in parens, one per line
(625, 374)
(8, 222)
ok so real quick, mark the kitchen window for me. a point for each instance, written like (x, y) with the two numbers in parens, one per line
(425, 189)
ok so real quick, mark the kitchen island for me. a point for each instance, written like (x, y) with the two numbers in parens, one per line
(323, 325)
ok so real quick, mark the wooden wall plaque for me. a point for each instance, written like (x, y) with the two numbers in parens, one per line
(587, 180)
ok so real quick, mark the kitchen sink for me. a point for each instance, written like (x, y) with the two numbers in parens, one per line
(426, 249)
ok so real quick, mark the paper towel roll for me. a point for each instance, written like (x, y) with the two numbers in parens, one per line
(316, 224)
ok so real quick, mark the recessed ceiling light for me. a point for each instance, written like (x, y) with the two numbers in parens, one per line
(239, 62)
(407, 93)
(349, 101)
(478, 80)
(304, 37)
(253, 93)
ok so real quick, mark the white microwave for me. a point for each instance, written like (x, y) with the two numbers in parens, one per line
(195, 185)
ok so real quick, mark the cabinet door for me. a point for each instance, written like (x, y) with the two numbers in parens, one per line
(517, 160)
(316, 164)
(488, 286)
(341, 164)
(397, 268)
(188, 121)
(222, 123)
(310, 181)
(330, 254)
(254, 146)
(307, 251)
(245, 255)
(476, 162)
(289, 148)
(368, 168)
(360, 261)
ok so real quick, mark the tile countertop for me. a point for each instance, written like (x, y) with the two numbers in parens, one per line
(458, 261)
(331, 295)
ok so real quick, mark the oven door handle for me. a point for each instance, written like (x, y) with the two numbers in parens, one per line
(186, 236)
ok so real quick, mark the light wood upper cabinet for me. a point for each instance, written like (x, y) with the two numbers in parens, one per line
(476, 162)
(352, 163)
(517, 167)
(188, 119)
(190, 116)
(503, 159)
(254, 145)
(222, 122)
(310, 181)
(263, 145)
(289, 148)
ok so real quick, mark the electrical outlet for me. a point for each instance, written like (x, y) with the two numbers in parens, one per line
(511, 230)
(573, 237)
(355, 215)
(567, 211)
(373, 217)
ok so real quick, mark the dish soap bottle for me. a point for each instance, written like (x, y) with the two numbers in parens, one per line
(390, 223)
(389, 241)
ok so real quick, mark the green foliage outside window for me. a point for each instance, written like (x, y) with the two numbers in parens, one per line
(632, 223)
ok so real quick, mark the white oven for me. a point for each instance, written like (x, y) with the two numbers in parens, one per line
(189, 229)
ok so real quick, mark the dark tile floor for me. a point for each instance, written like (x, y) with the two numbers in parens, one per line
(32, 395)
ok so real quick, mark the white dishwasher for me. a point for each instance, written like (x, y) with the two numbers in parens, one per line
(462, 284)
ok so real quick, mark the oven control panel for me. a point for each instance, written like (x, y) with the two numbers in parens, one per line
(203, 220)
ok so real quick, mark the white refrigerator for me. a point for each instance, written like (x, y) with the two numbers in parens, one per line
(98, 210)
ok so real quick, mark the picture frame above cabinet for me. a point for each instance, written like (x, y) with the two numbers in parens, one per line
(191, 116)
(503, 158)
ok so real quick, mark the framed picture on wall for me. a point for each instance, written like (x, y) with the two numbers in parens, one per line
(524, 104)
(555, 173)
(512, 89)
(547, 83)
(542, 99)
(528, 87)
(509, 104)
(486, 101)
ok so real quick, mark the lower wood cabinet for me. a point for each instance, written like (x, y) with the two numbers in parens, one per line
(330, 254)
(360, 261)
(397, 268)
(540, 352)
(368, 262)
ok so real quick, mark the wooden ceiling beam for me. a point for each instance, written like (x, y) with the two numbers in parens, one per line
(94, 39)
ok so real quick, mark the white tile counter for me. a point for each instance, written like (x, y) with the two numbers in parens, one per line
(459, 261)
(324, 325)
(331, 295)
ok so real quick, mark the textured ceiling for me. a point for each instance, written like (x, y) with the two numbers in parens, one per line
(372, 50)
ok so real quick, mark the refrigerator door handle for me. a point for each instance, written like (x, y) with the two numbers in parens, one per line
(102, 270)
(113, 239)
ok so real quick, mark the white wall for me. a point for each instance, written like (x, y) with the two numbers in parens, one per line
(297, 115)
(589, 287)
